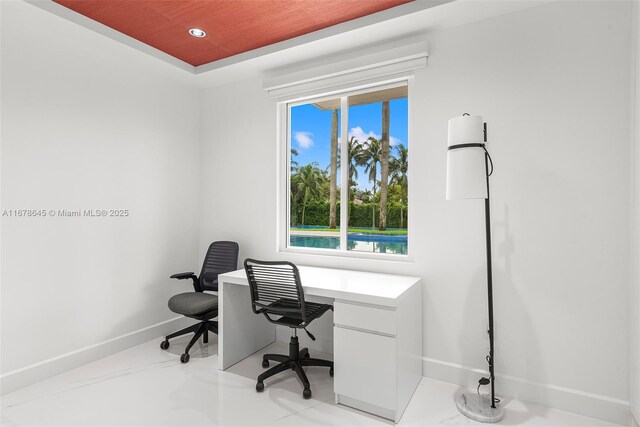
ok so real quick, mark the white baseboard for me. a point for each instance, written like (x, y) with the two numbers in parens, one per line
(40, 371)
(577, 401)
(567, 399)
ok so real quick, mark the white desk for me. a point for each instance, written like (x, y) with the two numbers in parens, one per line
(377, 333)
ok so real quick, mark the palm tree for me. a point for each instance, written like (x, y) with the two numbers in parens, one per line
(371, 157)
(365, 196)
(356, 158)
(384, 165)
(308, 181)
(399, 167)
(295, 196)
(294, 163)
(333, 190)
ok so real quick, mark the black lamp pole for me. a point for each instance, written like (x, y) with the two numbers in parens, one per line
(487, 217)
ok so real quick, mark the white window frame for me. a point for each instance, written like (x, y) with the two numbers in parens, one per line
(284, 170)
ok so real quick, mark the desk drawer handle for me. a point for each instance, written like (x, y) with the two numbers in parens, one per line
(367, 331)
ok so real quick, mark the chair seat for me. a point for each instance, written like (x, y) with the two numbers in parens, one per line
(312, 310)
(193, 303)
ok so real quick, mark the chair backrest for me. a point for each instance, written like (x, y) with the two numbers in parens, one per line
(221, 257)
(275, 288)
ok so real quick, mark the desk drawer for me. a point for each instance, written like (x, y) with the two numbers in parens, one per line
(376, 320)
(365, 367)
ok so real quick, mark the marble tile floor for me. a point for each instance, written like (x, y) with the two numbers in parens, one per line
(146, 386)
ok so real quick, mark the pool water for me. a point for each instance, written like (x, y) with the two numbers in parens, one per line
(355, 242)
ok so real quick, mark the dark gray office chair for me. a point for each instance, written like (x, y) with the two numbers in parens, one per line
(221, 257)
(277, 293)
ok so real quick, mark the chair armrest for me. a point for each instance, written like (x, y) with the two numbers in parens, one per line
(181, 276)
(188, 275)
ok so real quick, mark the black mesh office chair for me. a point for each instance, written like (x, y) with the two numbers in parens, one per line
(277, 293)
(221, 257)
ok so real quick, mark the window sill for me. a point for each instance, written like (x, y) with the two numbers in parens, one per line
(336, 253)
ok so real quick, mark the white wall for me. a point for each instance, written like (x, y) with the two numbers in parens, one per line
(553, 84)
(88, 123)
(634, 354)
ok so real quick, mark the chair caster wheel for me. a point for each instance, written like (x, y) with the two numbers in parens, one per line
(259, 386)
(306, 393)
(265, 364)
(331, 372)
(184, 358)
(164, 345)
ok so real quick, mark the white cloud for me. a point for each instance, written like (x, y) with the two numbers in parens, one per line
(304, 139)
(362, 136)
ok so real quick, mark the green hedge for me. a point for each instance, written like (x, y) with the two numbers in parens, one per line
(317, 213)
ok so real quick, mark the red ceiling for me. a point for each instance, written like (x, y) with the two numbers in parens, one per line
(232, 26)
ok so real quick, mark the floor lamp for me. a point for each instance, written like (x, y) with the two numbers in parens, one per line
(468, 169)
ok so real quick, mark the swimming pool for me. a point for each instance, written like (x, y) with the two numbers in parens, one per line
(359, 242)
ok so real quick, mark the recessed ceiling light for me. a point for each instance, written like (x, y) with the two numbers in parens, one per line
(197, 32)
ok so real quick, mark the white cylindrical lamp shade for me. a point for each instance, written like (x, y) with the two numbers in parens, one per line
(466, 167)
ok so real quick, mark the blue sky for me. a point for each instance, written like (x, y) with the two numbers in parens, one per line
(311, 131)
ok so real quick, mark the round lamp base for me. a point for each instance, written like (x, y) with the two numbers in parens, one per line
(478, 407)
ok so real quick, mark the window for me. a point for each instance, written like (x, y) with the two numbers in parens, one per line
(347, 163)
